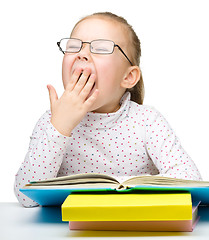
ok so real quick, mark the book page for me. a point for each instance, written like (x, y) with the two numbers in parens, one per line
(163, 181)
(73, 182)
(77, 178)
(73, 186)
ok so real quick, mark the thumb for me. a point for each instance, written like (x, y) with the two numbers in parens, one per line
(52, 94)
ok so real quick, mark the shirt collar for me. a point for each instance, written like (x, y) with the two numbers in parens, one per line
(108, 120)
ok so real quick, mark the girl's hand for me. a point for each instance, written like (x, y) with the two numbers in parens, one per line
(72, 106)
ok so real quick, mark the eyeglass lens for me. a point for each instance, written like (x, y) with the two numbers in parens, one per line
(97, 46)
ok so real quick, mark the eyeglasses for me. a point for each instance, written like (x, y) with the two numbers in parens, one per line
(100, 46)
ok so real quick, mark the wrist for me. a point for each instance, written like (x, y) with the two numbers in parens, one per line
(62, 130)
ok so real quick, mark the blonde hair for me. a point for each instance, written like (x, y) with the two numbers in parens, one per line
(137, 92)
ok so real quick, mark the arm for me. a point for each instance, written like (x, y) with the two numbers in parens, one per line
(51, 134)
(165, 150)
(43, 159)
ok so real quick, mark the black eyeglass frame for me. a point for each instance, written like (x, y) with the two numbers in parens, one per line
(115, 45)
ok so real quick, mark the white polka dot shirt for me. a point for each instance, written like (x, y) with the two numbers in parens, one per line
(135, 140)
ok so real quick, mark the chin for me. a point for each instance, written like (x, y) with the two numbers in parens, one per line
(96, 108)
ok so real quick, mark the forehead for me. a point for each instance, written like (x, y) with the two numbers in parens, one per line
(98, 28)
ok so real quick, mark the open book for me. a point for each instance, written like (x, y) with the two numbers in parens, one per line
(54, 191)
(96, 180)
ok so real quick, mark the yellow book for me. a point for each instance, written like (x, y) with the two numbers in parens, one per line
(127, 207)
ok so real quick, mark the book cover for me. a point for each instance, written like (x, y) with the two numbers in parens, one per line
(57, 195)
(127, 207)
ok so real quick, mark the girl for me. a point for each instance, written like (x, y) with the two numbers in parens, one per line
(100, 124)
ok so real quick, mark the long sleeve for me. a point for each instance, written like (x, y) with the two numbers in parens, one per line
(43, 159)
(135, 140)
(165, 150)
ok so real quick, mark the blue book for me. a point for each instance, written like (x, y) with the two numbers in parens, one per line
(54, 191)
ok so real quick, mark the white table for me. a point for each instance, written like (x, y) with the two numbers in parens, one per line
(39, 223)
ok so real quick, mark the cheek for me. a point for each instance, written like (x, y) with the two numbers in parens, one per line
(66, 68)
(109, 73)
(105, 68)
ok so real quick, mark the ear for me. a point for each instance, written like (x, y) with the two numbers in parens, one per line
(131, 77)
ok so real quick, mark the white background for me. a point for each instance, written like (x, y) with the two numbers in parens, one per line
(175, 51)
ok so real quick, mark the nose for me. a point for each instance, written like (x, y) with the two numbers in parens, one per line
(84, 53)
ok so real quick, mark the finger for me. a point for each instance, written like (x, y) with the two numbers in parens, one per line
(88, 87)
(72, 82)
(82, 80)
(90, 101)
(52, 94)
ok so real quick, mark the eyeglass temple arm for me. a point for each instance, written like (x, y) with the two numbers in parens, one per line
(124, 54)
(58, 44)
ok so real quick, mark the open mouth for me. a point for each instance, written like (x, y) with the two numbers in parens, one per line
(87, 80)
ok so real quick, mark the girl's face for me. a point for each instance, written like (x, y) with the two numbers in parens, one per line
(110, 69)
